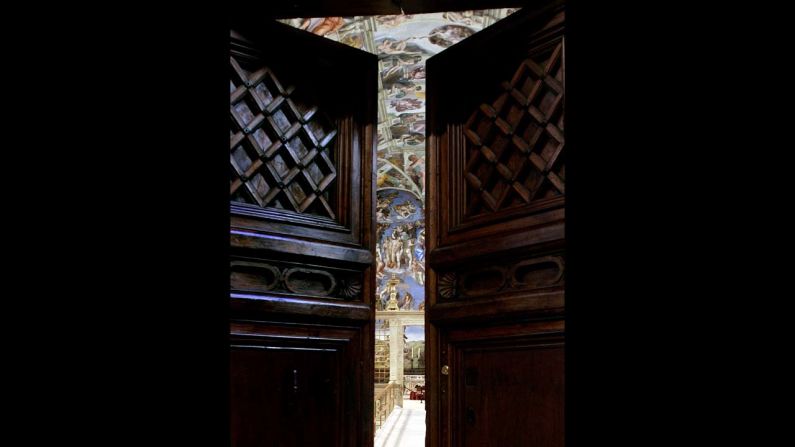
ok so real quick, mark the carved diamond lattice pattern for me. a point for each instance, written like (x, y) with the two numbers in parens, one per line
(514, 144)
(281, 155)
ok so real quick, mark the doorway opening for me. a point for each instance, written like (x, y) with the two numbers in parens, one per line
(402, 43)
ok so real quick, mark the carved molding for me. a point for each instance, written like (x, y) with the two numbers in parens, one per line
(517, 275)
(538, 272)
(306, 281)
(483, 281)
(271, 276)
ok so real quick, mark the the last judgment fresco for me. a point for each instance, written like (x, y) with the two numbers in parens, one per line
(402, 44)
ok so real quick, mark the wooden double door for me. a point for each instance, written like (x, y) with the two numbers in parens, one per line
(302, 165)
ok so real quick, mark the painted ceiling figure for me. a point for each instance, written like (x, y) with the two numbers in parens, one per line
(459, 17)
(393, 20)
(390, 46)
(408, 251)
(404, 104)
(418, 72)
(406, 209)
(417, 170)
(355, 40)
(379, 271)
(408, 300)
(393, 245)
(418, 270)
(405, 76)
(322, 26)
(447, 35)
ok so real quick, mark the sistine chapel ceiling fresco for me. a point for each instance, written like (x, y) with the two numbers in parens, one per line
(402, 43)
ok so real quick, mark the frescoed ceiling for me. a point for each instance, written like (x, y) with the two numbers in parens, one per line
(402, 43)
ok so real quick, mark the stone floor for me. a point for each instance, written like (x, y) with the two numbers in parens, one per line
(404, 427)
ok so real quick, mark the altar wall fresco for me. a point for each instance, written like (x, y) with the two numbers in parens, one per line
(402, 43)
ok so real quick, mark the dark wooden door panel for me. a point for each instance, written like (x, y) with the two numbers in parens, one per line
(302, 157)
(302, 113)
(277, 390)
(496, 243)
(499, 148)
(511, 396)
(288, 376)
(503, 384)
